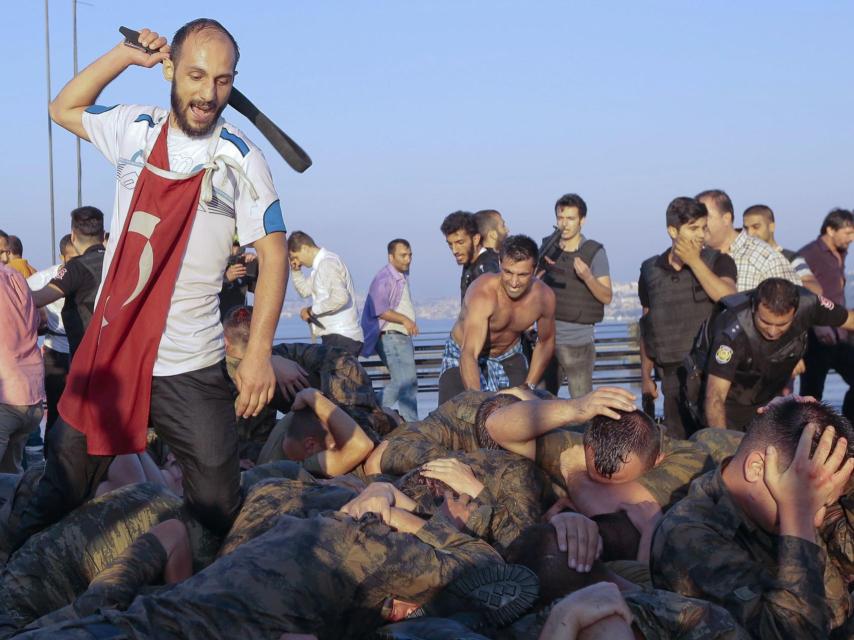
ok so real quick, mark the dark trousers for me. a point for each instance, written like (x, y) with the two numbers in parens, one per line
(821, 358)
(194, 415)
(451, 382)
(675, 419)
(353, 347)
(55, 372)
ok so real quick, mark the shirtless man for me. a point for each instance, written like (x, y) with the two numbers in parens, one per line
(484, 350)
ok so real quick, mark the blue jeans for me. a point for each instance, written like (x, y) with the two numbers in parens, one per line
(397, 354)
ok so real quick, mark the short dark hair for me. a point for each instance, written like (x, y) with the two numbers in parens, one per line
(303, 424)
(236, 324)
(16, 247)
(194, 26)
(759, 210)
(613, 440)
(64, 241)
(487, 220)
(780, 296)
(459, 221)
(88, 222)
(518, 248)
(683, 210)
(568, 200)
(837, 219)
(299, 239)
(393, 245)
(784, 422)
(720, 199)
(4, 235)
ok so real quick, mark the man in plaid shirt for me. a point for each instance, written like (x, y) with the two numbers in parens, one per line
(756, 260)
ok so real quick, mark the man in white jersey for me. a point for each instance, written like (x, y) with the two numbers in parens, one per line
(190, 180)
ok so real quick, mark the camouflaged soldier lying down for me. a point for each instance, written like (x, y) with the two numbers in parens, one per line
(338, 574)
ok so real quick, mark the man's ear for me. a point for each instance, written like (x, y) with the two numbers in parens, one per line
(476, 239)
(754, 467)
(672, 231)
(168, 70)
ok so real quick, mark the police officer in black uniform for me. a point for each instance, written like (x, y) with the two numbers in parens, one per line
(744, 355)
(678, 291)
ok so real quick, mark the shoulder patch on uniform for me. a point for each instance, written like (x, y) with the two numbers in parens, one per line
(724, 354)
(97, 109)
(236, 140)
(61, 273)
(827, 304)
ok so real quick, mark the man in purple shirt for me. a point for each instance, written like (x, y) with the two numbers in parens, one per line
(830, 347)
(388, 322)
(21, 369)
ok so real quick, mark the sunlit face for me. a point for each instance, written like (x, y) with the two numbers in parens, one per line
(631, 470)
(202, 81)
(840, 238)
(694, 231)
(771, 325)
(516, 277)
(302, 256)
(719, 224)
(759, 226)
(4, 251)
(462, 245)
(401, 259)
(569, 221)
(501, 231)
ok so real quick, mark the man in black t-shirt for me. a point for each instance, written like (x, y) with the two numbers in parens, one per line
(745, 354)
(79, 279)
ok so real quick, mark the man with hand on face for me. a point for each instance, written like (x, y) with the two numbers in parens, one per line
(687, 278)
(577, 271)
(745, 354)
(759, 536)
(484, 350)
(186, 180)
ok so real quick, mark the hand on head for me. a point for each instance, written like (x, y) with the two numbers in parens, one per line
(605, 401)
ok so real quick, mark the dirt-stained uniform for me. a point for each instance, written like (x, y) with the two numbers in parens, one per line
(720, 443)
(668, 481)
(775, 586)
(449, 427)
(328, 575)
(658, 615)
(511, 500)
(57, 564)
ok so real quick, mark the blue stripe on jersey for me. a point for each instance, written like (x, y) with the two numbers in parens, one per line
(144, 117)
(95, 109)
(273, 220)
(237, 141)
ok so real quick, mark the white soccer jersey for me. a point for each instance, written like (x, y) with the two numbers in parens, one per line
(192, 338)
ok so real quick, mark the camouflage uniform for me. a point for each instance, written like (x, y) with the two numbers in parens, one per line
(720, 443)
(668, 481)
(658, 615)
(511, 499)
(450, 427)
(57, 564)
(775, 586)
(328, 575)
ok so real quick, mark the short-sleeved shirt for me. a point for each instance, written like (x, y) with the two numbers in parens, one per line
(732, 353)
(572, 333)
(757, 261)
(124, 134)
(55, 338)
(78, 280)
(723, 267)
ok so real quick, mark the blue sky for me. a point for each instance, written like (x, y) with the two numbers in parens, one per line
(412, 110)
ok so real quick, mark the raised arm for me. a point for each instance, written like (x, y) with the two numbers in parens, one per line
(83, 90)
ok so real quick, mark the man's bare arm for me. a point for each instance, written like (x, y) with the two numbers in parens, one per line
(849, 323)
(254, 378)
(811, 283)
(716, 287)
(715, 409)
(352, 444)
(600, 288)
(479, 306)
(47, 294)
(83, 90)
(545, 348)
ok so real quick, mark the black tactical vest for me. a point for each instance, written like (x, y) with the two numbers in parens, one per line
(573, 300)
(678, 305)
(760, 377)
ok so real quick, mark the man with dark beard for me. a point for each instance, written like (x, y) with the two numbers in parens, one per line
(186, 182)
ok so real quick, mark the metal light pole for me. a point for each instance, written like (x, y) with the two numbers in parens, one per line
(49, 134)
(76, 139)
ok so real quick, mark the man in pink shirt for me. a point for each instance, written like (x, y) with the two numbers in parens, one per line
(21, 369)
